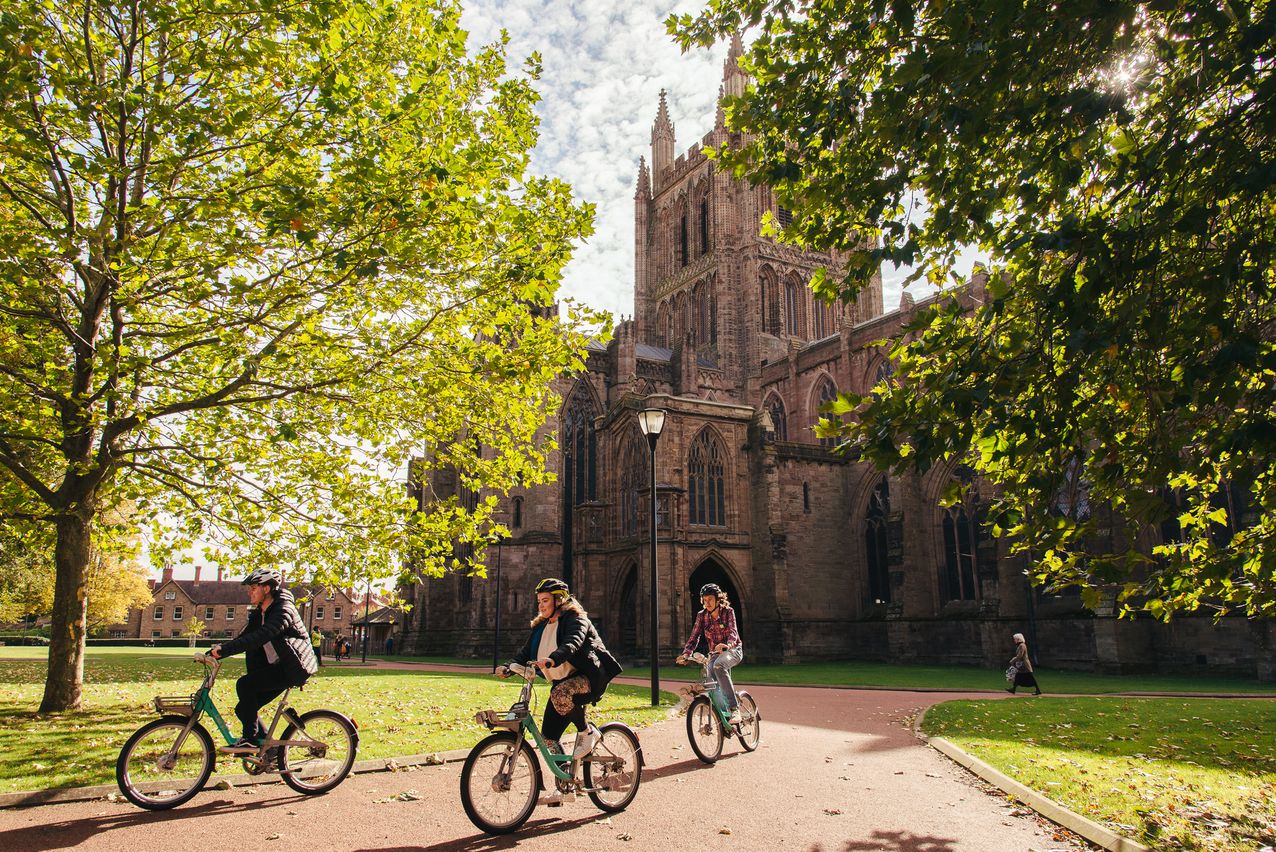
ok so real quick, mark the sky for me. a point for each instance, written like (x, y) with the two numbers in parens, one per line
(605, 62)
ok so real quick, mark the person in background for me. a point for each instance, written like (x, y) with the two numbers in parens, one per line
(1024, 676)
(316, 643)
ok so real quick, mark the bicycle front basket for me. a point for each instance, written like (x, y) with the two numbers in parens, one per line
(182, 705)
(497, 719)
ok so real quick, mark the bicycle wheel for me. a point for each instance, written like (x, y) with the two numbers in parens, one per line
(500, 782)
(614, 767)
(157, 772)
(319, 755)
(704, 729)
(750, 722)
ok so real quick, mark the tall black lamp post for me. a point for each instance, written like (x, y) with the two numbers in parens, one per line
(367, 602)
(496, 640)
(651, 421)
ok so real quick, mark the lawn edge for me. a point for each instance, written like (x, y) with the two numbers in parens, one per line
(1044, 805)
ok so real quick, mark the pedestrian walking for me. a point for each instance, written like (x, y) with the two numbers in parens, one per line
(316, 642)
(389, 646)
(1023, 674)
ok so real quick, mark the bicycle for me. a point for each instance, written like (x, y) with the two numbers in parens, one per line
(708, 717)
(501, 779)
(167, 761)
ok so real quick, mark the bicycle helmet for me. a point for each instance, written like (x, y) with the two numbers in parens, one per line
(552, 585)
(710, 589)
(264, 577)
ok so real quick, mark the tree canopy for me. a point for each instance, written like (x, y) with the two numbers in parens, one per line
(1116, 375)
(254, 257)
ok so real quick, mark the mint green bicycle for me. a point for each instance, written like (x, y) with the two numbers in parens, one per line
(167, 761)
(709, 718)
(501, 779)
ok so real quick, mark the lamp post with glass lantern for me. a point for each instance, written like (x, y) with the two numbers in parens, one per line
(651, 421)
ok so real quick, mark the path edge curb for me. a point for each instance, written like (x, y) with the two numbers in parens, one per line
(100, 791)
(1047, 807)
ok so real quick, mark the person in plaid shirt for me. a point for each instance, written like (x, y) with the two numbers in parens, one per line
(716, 623)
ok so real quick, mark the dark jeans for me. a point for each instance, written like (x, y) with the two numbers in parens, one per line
(255, 690)
(555, 724)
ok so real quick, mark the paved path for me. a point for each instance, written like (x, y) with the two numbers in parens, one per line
(838, 771)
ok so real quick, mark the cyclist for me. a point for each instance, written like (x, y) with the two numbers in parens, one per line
(566, 647)
(716, 625)
(277, 652)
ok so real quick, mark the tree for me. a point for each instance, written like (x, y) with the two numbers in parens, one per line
(1116, 162)
(255, 257)
(194, 629)
(112, 588)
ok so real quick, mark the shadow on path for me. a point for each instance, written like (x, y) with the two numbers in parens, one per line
(543, 827)
(896, 841)
(68, 834)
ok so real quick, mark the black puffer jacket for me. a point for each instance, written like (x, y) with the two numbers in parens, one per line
(580, 645)
(277, 638)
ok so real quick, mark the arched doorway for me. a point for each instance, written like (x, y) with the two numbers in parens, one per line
(627, 640)
(711, 570)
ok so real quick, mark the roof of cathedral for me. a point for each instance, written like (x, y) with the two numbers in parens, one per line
(653, 353)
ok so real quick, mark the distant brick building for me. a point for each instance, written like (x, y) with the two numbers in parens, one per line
(823, 556)
(223, 607)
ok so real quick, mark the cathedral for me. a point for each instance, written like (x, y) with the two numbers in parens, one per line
(822, 556)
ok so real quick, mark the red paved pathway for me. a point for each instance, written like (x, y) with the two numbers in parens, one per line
(838, 771)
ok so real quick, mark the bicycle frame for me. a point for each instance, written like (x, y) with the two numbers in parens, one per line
(709, 684)
(201, 703)
(518, 720)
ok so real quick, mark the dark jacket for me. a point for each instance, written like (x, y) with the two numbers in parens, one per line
(580, 645)
(281, 630)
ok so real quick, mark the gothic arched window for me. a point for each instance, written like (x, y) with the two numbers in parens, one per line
(876, 533)
(825, 393)
(580, 473)
(706, 481)
(633, 479)
(792, 307)
(822, 324)
(775, 408)
(961, 524)
(704, 225)
(770, 301)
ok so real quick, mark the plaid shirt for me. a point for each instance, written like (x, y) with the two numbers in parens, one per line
(717, 629)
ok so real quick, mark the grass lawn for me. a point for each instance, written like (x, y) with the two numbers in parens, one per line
(886, 675)
(1173, 773)
(399, 712)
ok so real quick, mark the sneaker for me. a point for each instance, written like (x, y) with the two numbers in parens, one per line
(243, 745)
(585, 742)
(734, 719)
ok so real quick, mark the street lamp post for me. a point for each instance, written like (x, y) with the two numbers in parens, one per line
(652, 421)
(367, 602)
(496, 640)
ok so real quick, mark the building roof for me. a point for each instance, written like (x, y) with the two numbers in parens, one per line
(653, 353)
(385, 615)
(210, 592)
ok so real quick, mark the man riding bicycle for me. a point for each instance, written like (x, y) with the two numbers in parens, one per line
(277, 652)
(716, 624)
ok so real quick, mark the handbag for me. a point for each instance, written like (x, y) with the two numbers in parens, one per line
(1012, 672)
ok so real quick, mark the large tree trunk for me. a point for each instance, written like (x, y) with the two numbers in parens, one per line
(65, 680)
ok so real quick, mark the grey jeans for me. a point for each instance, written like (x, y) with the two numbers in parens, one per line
(720, 667)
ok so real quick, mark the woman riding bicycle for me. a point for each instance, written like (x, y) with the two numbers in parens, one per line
(567, 649)
(278, 653)
(716, 624)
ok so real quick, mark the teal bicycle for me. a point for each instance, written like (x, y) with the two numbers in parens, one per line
(501, 780)
(709, 718)
(167, 761)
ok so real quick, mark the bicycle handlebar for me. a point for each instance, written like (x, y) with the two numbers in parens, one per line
(525, 672)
